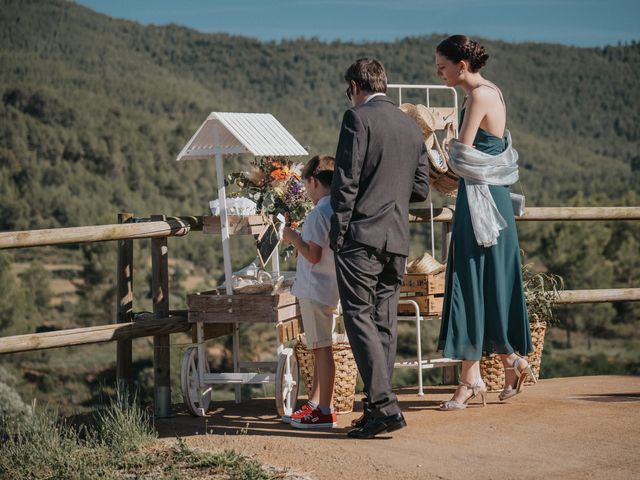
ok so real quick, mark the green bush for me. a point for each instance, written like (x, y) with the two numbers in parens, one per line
(45, 447)
(13, 411)
(124, 426)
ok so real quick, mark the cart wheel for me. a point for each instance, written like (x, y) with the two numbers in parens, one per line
(287, 376)
(196, 396)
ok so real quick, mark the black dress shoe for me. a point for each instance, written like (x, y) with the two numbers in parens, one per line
(359, 422)
(378, 425)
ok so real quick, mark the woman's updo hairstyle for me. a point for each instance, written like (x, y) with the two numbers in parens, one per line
(461, 47)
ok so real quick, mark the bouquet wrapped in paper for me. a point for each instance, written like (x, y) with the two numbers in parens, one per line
(276, 186)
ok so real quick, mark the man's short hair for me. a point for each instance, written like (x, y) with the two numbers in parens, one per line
(369, 75)
(321, 167)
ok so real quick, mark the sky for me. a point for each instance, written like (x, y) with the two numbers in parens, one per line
(583, 23)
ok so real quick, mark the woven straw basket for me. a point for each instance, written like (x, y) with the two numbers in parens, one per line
(425, 263)
(491, 367)
(441, 178)
(344, 388)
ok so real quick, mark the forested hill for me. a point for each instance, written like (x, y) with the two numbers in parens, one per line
(94, 109)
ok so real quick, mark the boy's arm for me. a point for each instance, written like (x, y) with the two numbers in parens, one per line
(346, 177)
(309, 250)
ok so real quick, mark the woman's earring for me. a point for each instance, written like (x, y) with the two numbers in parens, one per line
(460, 72)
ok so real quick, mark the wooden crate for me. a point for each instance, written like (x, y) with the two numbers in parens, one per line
(245, 225)
(211, 307)
(423, 283)
(289, 330)
(212, 330)
(429, 304)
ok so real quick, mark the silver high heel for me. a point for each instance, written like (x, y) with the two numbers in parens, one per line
(522, 374)
(478, 388)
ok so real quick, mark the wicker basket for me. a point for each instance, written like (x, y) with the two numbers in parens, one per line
(441, 177)
(491, 367)
(425, 263)
(344, 388)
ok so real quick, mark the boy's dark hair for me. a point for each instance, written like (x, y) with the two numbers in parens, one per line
(369, 75)
(320, 167)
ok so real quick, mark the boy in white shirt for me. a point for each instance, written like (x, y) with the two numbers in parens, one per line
(317, 291)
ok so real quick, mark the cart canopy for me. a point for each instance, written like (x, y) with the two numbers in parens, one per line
(228, 133)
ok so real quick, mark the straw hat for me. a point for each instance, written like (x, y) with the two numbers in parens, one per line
(425, 120)
(442, 178)
(425, 264)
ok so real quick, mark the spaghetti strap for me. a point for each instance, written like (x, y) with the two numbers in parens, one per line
(497, 90)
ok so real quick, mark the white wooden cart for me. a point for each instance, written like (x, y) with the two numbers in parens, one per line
(443, 115)
(220, 135)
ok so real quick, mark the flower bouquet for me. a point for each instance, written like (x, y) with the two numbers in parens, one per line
(276, 185)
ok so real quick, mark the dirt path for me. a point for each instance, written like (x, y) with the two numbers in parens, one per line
(573, 428)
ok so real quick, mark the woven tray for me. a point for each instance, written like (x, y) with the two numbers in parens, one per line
(344, 388)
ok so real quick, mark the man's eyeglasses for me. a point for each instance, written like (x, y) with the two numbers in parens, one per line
(348, 92)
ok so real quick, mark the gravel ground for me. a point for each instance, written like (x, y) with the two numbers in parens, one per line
(565, 428)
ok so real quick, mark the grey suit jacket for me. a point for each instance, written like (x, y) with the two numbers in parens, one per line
(381, 166)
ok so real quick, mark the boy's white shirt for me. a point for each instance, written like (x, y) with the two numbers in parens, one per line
(318, 281)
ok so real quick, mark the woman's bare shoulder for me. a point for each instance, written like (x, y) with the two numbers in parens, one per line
(483, 94)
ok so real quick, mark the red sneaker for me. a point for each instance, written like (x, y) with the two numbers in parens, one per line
(298, 414)
(315, 419)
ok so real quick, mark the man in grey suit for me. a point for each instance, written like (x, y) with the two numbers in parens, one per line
(381, 166)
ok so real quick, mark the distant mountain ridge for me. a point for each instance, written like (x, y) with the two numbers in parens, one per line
(94, 109)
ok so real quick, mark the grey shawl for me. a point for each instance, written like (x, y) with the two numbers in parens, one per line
(479, 170)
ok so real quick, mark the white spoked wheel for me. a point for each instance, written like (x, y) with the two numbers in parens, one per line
(197, 396)
(287, 382)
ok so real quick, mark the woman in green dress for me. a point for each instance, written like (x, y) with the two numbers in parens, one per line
(484, 308)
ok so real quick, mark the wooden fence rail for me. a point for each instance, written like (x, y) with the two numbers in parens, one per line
(141, 228)
(146, 325)
(571, 297)
(535, 214)
(97, 334)
(179, 226)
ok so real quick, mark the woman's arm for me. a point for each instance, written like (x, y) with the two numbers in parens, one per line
(476, 108)
(483, 107)
(309, 250)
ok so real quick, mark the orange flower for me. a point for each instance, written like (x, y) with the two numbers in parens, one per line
(280, 173)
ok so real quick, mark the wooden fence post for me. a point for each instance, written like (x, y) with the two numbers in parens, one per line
(124, 355)
(161, 343)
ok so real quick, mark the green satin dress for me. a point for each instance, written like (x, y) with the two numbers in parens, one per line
(484, 307)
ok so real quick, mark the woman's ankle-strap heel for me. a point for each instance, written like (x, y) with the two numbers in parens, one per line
(522, 374)
(478, 388)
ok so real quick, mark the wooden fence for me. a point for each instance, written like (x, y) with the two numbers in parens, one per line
(164, 322)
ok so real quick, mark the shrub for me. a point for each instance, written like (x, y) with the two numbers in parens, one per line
(124, 426)
(13, 411)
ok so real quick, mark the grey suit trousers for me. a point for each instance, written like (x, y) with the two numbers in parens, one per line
(369, 285)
